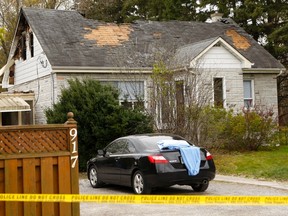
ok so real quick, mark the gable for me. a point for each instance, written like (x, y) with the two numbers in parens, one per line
(218, 57)
(212, 53)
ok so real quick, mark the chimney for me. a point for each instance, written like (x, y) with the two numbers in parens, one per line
(215, 17)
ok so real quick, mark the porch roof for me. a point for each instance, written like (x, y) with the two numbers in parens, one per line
(13, 104)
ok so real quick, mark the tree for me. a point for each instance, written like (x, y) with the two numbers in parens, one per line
(129, 10)
(100, 117)
(179, 100)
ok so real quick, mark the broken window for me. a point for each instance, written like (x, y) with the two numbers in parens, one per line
(11, 74)
(31, 44)
(218, 92)
(23, 46)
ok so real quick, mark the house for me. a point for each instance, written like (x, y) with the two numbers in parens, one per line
(51, 46)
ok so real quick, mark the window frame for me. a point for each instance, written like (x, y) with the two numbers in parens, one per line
(252, 98)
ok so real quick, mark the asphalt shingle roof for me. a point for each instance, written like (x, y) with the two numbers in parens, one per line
(69, 39)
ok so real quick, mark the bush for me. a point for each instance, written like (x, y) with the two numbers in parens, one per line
(282, 136)
(244, 131)
(99, 116)
(248, 130)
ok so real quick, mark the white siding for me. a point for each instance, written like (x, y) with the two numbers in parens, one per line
(219, 62)
(32, 68)
(265, 90)
(219, 57)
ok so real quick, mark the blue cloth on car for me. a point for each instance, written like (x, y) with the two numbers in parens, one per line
(190, 154)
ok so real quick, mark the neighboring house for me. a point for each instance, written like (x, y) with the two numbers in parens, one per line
(51, 46)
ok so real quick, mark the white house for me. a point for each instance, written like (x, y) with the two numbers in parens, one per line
(51, 46)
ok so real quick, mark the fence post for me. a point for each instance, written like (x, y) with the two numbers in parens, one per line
(74, 165)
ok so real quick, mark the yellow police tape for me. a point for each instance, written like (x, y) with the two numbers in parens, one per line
(149, 199)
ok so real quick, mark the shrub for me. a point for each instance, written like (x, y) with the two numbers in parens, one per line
(248, 130)
(99, 116)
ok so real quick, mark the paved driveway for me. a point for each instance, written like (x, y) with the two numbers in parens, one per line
(222, 185)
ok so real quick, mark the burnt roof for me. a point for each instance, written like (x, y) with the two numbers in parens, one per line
(69, 39)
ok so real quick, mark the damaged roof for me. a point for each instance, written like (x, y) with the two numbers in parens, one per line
(69, 39)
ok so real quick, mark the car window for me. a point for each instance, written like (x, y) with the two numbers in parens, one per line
(151, 143)
(122, 146)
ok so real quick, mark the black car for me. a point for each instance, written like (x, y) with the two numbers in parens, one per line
(148, 161)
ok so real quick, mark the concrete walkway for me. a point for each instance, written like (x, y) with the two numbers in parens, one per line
(242, 180)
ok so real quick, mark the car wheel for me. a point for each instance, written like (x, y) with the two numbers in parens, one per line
(200, 187)
(93, 177)
(139, 184)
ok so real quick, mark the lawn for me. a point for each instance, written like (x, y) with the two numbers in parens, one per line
(268, 165)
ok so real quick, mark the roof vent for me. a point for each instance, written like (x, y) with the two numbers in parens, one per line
(215, 17)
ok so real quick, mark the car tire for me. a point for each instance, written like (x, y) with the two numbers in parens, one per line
(93, 177)
(139, 184)
(200, 187)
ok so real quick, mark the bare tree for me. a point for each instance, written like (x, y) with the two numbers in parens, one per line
(179, 100)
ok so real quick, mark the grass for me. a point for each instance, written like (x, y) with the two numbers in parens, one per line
(267, 165)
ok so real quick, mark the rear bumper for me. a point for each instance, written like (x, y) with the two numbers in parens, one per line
(180, 178)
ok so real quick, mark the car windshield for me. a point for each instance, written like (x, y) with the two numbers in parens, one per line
(151, 143)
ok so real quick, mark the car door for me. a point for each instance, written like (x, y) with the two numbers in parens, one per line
(126, 161)
(108, 166)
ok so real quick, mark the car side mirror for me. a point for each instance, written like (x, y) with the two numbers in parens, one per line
(100, 152)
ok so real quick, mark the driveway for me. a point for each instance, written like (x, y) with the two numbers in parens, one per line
(222, 185)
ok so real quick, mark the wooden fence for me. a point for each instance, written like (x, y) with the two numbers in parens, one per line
(41, 159)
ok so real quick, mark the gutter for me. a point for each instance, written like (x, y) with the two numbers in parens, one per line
(262, 70)
(101, 70)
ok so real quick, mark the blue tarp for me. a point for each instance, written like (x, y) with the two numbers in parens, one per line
(190, 154)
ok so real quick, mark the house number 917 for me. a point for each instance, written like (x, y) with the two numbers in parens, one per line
(74, 158)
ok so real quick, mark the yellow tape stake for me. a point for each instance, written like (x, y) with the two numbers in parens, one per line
(149, 199)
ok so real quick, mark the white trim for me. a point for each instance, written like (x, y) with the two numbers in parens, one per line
(9, 63)
(252, 92)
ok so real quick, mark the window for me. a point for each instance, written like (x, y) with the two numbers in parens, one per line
(248, 93)
(27, 116)
(122, 146)
(131, 92)
(218, 92)
(9, 118)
